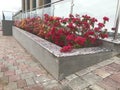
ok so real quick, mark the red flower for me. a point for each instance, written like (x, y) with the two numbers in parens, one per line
(113, 28)
(71, 32)
(92, 40)
(71, 16)
(64, 20)
(57, 24)
(46, 15)
(94, 20)
(80, 40)
(97, 29)
(86, 25)
(66, 48)
(53, 30)
(70, 37)
(105, 18)
(90, 32)
(70, 25)
(77, 15)
(104, 35)
(57, 18)
(86, 17)
(60, 31)
(47, 36)
(101, 25)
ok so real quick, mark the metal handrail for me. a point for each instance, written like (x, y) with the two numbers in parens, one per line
(17, 13)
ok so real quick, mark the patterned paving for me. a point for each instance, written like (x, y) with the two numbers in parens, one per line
(20, 71)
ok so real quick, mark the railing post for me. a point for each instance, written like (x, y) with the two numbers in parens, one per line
(72, 5)
(117, 20)
(43, 13)
(43, 10)
(53, 10)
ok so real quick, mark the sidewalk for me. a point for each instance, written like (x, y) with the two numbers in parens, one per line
(20, 71)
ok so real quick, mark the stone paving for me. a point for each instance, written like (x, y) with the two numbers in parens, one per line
(20, 71)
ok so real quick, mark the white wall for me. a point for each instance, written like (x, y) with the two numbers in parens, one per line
(62, 8)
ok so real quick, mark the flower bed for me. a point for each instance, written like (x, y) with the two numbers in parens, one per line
(68, 33)
(59, 64)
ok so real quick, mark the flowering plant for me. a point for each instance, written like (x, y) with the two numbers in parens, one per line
(69, 33)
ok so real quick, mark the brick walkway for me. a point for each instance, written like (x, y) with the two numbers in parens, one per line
(20, 71)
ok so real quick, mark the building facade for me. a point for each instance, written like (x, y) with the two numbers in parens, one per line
(30, 5)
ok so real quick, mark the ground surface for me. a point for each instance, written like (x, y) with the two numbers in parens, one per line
(20, 71)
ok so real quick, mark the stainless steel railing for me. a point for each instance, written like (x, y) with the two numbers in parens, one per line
(117, 21)
(51, 10)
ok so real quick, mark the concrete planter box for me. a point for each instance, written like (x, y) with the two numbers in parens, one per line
(58, 64)
(109, 43)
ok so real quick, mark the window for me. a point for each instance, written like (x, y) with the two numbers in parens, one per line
(40, 3)
(47, 2)
(34, 3)
(23, 5)
(28, 4)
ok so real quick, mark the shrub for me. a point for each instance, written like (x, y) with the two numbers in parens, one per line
(69, 33)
